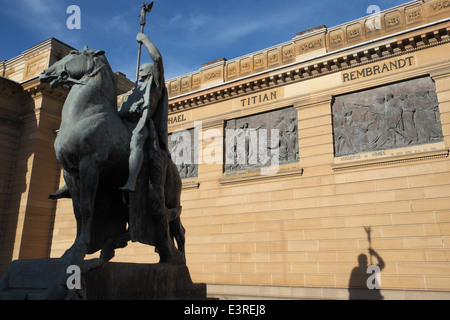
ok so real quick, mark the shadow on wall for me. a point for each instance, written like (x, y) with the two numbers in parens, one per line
(17, 187)
(365, 281)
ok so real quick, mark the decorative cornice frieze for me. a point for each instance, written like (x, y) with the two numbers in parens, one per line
(301, 71)
(10, 89)
(34, 88)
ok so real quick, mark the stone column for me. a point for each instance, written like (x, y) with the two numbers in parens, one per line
(442, 79)
(315, 131)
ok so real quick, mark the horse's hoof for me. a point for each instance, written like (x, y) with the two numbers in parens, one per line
(107, 255)
(127, 188)
(176, 258)
(92, 264)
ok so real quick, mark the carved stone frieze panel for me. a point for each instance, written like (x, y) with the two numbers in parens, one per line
(246, 65)
(392, 20)
(254, 141)
(184, 152)
(354, 32)
(233, 69)
(336, 37)
(440, 6)
(259, 61)
(274, 57)
(413, 14)
(393, 116)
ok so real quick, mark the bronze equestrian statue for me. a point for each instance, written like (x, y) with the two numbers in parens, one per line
(101, 149)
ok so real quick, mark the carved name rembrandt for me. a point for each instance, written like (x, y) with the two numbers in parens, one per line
(378, 69)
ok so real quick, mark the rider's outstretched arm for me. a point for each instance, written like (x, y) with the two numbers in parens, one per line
(158, 70)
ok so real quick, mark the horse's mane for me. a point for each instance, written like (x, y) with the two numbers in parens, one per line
(108, 67)
(109, 73)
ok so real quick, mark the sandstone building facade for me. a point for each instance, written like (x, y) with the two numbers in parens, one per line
(358, 117)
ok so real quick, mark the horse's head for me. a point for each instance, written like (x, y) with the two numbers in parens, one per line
(72, 69)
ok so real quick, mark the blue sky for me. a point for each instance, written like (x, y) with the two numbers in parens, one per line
(188, 33)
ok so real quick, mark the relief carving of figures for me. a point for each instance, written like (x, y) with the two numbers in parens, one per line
(254, 141)
(184, 152)
(393, 116)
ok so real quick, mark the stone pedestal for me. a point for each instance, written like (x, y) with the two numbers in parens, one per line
(125, 281)
(47, 279)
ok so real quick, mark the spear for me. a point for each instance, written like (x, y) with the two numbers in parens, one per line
(146, 8)
(369, 230)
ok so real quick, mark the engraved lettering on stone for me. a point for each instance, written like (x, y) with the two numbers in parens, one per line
(259, 62)
(441, 5)
(393, 116)
(378, 69)
(311, 46)
(336, 38)
(174, 86)
(196, 81)
(185, 84)
(414, 14)
(232, 70)
(213, 75)
(392, 21)
(354, 33)
(245, 66)
(273, 58)
(289, 53)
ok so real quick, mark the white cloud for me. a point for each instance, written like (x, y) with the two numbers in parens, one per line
(198, 21)
(173, 21)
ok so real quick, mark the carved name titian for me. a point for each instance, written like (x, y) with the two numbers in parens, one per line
(260, 98)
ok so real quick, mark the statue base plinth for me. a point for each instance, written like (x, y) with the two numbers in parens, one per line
(47, 279)
(128, 281)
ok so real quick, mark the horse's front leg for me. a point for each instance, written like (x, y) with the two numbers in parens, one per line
(88, 184)
(89, 178)
(73, 184)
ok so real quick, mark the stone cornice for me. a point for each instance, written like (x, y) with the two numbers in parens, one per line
(338, 61)
(34, 88)
(314, 43)
(10, 89)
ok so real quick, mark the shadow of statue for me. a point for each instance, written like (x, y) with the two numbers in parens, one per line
(364, 281)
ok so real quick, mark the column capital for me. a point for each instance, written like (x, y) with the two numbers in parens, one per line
(440, 73)
(313, 101)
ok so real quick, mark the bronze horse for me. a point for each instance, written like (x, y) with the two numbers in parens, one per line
(93, 147)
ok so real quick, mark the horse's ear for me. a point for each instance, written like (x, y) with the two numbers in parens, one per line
(99, 53)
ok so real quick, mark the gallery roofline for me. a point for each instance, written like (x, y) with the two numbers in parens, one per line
(312, 58)
(319, 43)
(436, 33)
